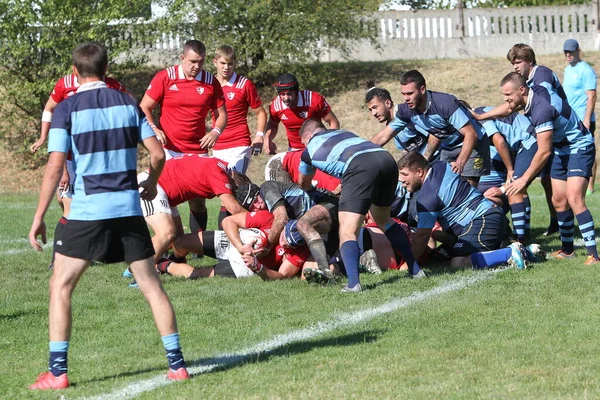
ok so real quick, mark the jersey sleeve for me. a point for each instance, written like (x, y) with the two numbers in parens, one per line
(259, 219)
(320, 105)
(542, 117)
(305, 166)
(59, 138)
(428, 208)
(272, 113)
(219, 180)
(115, 84)
(218, 98)
(297, 256)
(458, 118)
(589, 78)
(58, 92)
(156, 89)
(251, 95)
(144, 128)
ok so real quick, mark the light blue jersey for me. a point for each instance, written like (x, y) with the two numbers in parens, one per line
(102, 127)
(577, 81)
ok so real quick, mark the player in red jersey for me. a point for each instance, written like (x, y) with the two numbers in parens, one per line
(183, 178)
(235, 145)
(64, 88)
(186, 94)
(283, 167)
(292, 107)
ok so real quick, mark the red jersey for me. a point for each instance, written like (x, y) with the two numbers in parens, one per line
(240, 93)
(297, 256)
(309, 105)
(67, 86)
(190, 176)
(184, 106)
(291, 162)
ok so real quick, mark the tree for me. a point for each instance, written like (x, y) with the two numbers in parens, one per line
(269, 35)
(36, 41)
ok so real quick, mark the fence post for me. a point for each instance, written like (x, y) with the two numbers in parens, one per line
(596, 13)
(460, 26)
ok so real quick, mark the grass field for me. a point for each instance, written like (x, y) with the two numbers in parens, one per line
(471, 334)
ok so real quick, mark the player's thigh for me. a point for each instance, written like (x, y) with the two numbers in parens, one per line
(350, 224)
(67, 271)
(162, 224)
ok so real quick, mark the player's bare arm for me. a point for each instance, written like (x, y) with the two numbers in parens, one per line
(209, 140)
(384, 136)
(332, 120)
(46, 119)
(280, 218)
(157, 162)
(305, 181)
(231, 226)
(261, 124)
(433, 143)
(270, 134)
(231, 204)
(589, 107)
(500, 111)
(469, 142)
(544, 140)
(52, 176)
(419, 242)
(148, 104)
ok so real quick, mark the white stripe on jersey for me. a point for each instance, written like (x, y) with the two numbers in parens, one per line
(171, 73)
(241, 82)
(277, 104)
(205, 77)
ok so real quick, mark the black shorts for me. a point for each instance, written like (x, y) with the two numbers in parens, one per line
(479, 162)
(224, 270)
(108, 241)
(371, 178)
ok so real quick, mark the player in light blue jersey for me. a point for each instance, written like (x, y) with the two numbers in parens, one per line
(102, 127)
(477, 224)
(439, 115)
(368, 174)
(574, 154)
(580, 86)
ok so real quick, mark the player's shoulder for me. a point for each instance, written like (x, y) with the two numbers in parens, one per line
(277, 105)
(443, 100)
(206, 78)
(114, 84)
(67, 82)
(242, 82)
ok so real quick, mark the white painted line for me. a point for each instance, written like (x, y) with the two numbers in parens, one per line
(224, 360)
(14, 240)
(23, 250)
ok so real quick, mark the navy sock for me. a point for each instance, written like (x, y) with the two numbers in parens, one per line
(487, 259)
(223, 213)
(198, 221)
(57, 364)
(566, 226)
(519, 221)
(401, 244)
(174, 355)
(527, 217)
(586, 227)
(350, 254)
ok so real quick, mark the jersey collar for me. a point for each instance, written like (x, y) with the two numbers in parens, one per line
(530, 79)
(91, 86)
(428, 102)
(529, 101)
(231, 80)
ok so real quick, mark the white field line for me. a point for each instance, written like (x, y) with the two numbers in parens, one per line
(24, 249)
(202, 366)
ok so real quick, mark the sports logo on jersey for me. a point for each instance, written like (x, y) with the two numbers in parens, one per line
(304, 114)
(227, 186)
(283, 117)
(200, 90)
(174, 87)
(230, 95)
(280, 251)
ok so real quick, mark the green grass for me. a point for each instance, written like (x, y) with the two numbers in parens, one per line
(519, 334)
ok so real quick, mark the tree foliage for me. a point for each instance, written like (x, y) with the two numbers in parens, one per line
(36, 41)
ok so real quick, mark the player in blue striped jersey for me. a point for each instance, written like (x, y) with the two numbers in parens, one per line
(368, 174)
(440, 115)
(478, 225)
(574, 154)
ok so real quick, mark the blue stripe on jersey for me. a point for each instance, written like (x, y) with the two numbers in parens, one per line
(296, 201)
(104, 118)
(106, 140)
(450, 200)
(545, 77)
(110, 161)
(59, 140)
(109, 182)
(515, 128)
(331, 144)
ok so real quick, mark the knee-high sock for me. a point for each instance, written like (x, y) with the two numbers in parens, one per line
(223, 213)
(401, 244)
(519, 220)
(319, 253)
(566, 226)
(198, 221)
(487, 259)
(174, 355)
(586, 227)
(350, 254)
(57, 363)
(527, 217)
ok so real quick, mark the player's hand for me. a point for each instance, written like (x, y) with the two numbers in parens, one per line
(457, 166)
(587, 123)
(517, 186)
(36, 146)
(209, 140)
(338, 189)
(269, 147)
(257, 145)
(160, 135)
(63, 185)
(509, 176)
(492, 192)
(147, 190)
(475, 116)
(37, 228)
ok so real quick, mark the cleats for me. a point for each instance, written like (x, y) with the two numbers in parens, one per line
(127, 274)
(517, 259)
(47, 381)
(180, 375)
(134, 285)
(419, 275)
(368, 262)
(591, 260)
(315, 275)
(534, 253)
(561, 255)
(355, 289)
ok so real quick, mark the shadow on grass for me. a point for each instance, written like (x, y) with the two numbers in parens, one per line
(17, 315)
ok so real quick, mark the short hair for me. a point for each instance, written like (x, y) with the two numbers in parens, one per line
(194, 45)
(374, 91)
(311, 125)
(413, 76)
(90, 59)
(413, 160)
(521, 51)
(517, 80)
(225, 51)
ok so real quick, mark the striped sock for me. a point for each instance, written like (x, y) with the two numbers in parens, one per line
(527, 217)
(566, 226)
(586, 227)
(518, 217)
(57, 364)
(174, 355)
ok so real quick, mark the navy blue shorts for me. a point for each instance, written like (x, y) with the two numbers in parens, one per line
(569, 165)
(484, 233)
(523, 161)
(479, 162)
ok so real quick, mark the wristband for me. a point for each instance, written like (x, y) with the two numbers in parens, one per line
(47, 116)
(152, 125)
(217, 131)
(260, 133)
(502, 189)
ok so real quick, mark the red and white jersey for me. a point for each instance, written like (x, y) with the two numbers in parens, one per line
(240, 93)
(297, 256)
(309, 105)
(184, 106)
(190, 176)
(67, 86)
(291, 163)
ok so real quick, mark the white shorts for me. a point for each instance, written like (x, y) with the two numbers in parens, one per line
(237, 158)
(173, 154)
(160, 204)
(224, 250)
